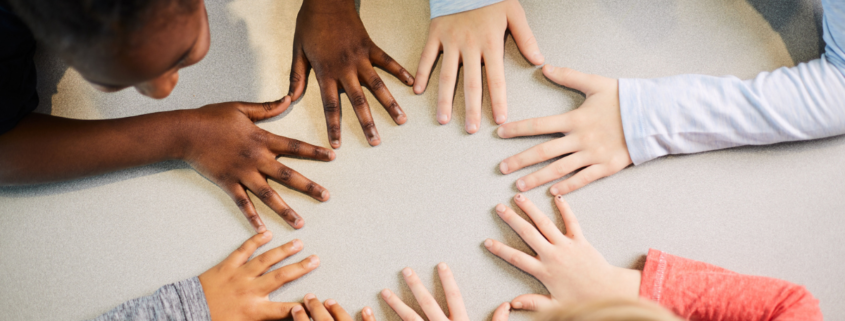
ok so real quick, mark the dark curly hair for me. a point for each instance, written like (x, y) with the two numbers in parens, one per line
(71, 25)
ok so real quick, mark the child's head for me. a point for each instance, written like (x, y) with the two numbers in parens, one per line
(614, 310)
(116, 44)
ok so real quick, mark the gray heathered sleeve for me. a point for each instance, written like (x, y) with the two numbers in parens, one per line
(183, 300)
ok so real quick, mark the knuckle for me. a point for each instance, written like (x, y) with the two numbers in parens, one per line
(474, 85)
(496, 82)
(246, 153)
(385, 58)
(334, 130)
(265, 193)
(258, 136)
(268, 106)
(285, 174)
(543, 151)
(331, 106)
(358, 100)
(561, 169)
(293, 145)
(376, 83)
(242, 203)
(310, 188)
(535, 123)
(282, 276)
(368, 126)
(295, 77)
(393, 105)
(288, 214)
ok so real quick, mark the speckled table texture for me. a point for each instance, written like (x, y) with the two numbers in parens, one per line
(74, 250)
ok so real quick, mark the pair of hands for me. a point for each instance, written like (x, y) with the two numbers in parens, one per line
(238, 288)
(567, 265)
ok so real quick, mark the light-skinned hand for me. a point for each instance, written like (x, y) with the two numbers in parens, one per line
(327, 311)
(238, 288)
(472, 38)
(224, 145)
(594, 139)
(570, 268)
(457, 310)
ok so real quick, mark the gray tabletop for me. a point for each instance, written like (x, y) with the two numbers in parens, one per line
(75, 249)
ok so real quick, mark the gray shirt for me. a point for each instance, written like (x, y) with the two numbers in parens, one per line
(183, 300)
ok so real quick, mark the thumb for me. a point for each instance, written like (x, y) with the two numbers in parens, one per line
(532, 302)
(502, 312)
(522, 35)
(261, 111)
(585, 83)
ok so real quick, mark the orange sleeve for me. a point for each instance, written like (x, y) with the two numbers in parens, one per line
(701, 291)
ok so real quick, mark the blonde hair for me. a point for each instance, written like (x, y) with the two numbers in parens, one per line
(612, 310)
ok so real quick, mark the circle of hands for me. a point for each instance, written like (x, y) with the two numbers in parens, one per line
(344, 59)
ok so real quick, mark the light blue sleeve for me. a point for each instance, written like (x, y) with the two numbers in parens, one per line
(447, 7)
(695, 113)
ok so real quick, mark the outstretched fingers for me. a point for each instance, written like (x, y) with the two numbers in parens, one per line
(293, 179)
(446, 90)
(526, 231)
(260, 264)
(277, 278)
(537, 154)
(427, 303)
(522, 35)
(457, 309)
(495, 70)
(362, 109)
(543, 223)
(536, 126)
(502, 312)
(371, 80)
(553, 171)
(382, 60)
(292, 147)
(532, 302)
(261, 111)
(570, 222)
(427, 60)
(331, 107)
(240, 256)
(241, 198)
(299, 70)
(519, 259)
(258, 185)
(403, 310)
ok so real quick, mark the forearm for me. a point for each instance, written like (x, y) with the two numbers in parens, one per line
(182, 300)
(700, 291)
(45, 148)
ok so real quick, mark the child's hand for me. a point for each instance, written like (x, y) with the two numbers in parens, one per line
(570, 268)
(237, 288)
(594, 136)
(331, 38)
(457, 311)
(470, 38)
(328, 311)
(224, 145)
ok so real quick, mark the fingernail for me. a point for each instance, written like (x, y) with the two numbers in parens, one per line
(313, 261)
(310, 296)
(330, 302)
(559, 197)
(501, 132)
(488, 243)
(324, 195)
(407, 271)
(471, 128)
(261, 229)
(296, 308)
(517, 305)
(442, 266)
(553, 190)
(367, 311)
(549, 68)
(265, 234)
(296, 245)
(537, 56)
(501, 119)
(385, 294)
(519, 197)
(520, 184)
(503, 167)
(500, 208)
(443, 119)
(335, 143)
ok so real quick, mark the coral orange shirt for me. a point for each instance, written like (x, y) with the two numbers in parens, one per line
(701, 291)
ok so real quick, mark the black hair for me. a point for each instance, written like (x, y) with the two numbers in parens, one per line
(72, 25)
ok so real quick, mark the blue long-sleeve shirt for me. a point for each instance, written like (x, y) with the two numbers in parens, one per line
(447, 7)
(696, 113)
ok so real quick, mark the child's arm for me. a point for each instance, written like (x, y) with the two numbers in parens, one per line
(574, 272)
(471, 32)
(636, 120)
(220, 141)
(235, 289)
(694, 113)
(700, 291)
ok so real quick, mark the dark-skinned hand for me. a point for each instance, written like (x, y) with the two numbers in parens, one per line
(225, 146)
(331, 39)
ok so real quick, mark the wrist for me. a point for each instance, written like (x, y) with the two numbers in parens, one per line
(627, 283)
(182, 125)
(327, 6)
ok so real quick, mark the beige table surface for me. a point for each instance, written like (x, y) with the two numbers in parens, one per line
(76, 249)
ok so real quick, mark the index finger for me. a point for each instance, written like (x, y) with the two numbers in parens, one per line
(526, 231)
(318, 311)
(337, 311)
(292, 147)
(429, 306)
(536, 126)
(238, 194)
(241, 255)
(457, 309)
(381, 59)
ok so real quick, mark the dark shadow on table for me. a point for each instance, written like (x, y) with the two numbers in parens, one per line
(799, 23)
